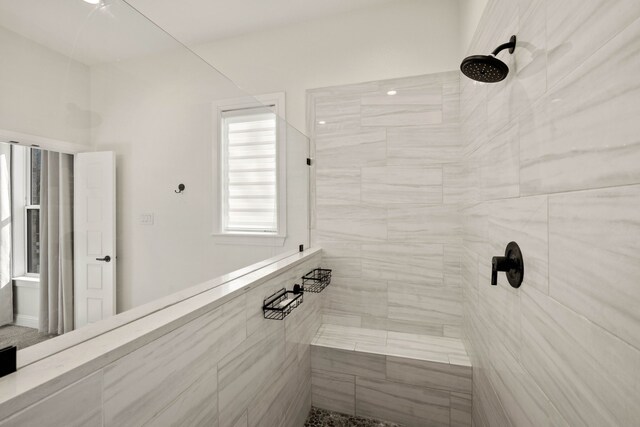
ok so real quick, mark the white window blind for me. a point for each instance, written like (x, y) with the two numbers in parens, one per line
(249, 171)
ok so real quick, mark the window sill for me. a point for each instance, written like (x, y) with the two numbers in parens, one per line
(257, 239)
(27, 282)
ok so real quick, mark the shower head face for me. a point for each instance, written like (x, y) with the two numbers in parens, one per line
(484, 68)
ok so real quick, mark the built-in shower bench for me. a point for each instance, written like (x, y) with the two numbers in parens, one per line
(414, 380)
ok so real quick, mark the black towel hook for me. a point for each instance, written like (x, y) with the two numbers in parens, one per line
(180, 189)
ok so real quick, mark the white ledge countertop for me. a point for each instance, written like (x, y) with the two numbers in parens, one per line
(42, 378)
(47, 348)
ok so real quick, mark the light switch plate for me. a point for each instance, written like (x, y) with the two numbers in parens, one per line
(146, 219)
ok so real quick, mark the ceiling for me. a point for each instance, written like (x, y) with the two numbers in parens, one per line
(91, 34)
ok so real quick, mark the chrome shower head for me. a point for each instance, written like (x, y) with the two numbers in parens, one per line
(488, 68)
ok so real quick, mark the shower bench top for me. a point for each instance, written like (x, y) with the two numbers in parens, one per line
(395, 344)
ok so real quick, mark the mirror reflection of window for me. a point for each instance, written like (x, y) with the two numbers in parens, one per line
(32, 211)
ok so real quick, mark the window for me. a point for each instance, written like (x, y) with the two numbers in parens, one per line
(25, 194)
(32, 211)
(250, 160)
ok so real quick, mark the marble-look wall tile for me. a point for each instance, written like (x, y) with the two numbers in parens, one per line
(409, 405)
(452, 271)
(206, 372)
(301, 326)
(422, 223)
(583, 133)
(348, 362)
(197, 406)
(409, 326)
(357, 296)
(423, 145)
(453, 183)
(339, 318)
(453, 331)
(79, 404)
(420, 343)
(530, 55)
(247, 369)
(523, 400)
(594, 257)
(425, 304)
(347, 338)
(298, 396)
(135, 386)
(408, 262)
(470, 277)
(487, 410)
(242, 421)
(590, 375)
(396, 184)
(576, 29)
(352, 148)
(509, 333)
(267, 408)
(338, 114)
(389, 183)
(407, 108)
(460, 410)
(499, 170)
(334, 391)
(451, 100)
(345, 258)
(434, 375)
(559, 350)
(338, 186)
(351, 223)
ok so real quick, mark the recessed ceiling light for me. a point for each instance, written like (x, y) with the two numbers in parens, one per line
(322, 122)
(92, 1)
(392, 92)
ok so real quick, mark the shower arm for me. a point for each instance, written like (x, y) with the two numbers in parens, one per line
(511, 45)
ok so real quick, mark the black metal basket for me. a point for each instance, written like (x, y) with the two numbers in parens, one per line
(316, 280)
(281, 304)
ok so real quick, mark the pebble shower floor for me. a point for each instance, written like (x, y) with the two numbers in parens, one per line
(323, 418)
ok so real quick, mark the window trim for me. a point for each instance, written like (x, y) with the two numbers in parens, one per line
(21, 199)
(277, 101)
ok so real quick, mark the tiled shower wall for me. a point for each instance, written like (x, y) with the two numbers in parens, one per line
(552, 159)
(228, 366)
(387, 202)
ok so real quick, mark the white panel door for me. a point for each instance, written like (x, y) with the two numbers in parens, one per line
(94, 237)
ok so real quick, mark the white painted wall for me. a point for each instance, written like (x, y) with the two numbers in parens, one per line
(42, 92)
(398, 39)
(470, 14)
(26, 302)
(156, 114)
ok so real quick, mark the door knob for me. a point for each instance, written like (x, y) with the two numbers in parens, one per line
(105, 259)
(511, 263)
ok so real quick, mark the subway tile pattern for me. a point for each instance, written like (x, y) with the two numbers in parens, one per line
(409, 379)
(549, 160)
(389, 186)
(226, 367)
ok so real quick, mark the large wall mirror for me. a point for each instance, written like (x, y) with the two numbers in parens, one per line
(131, 171)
